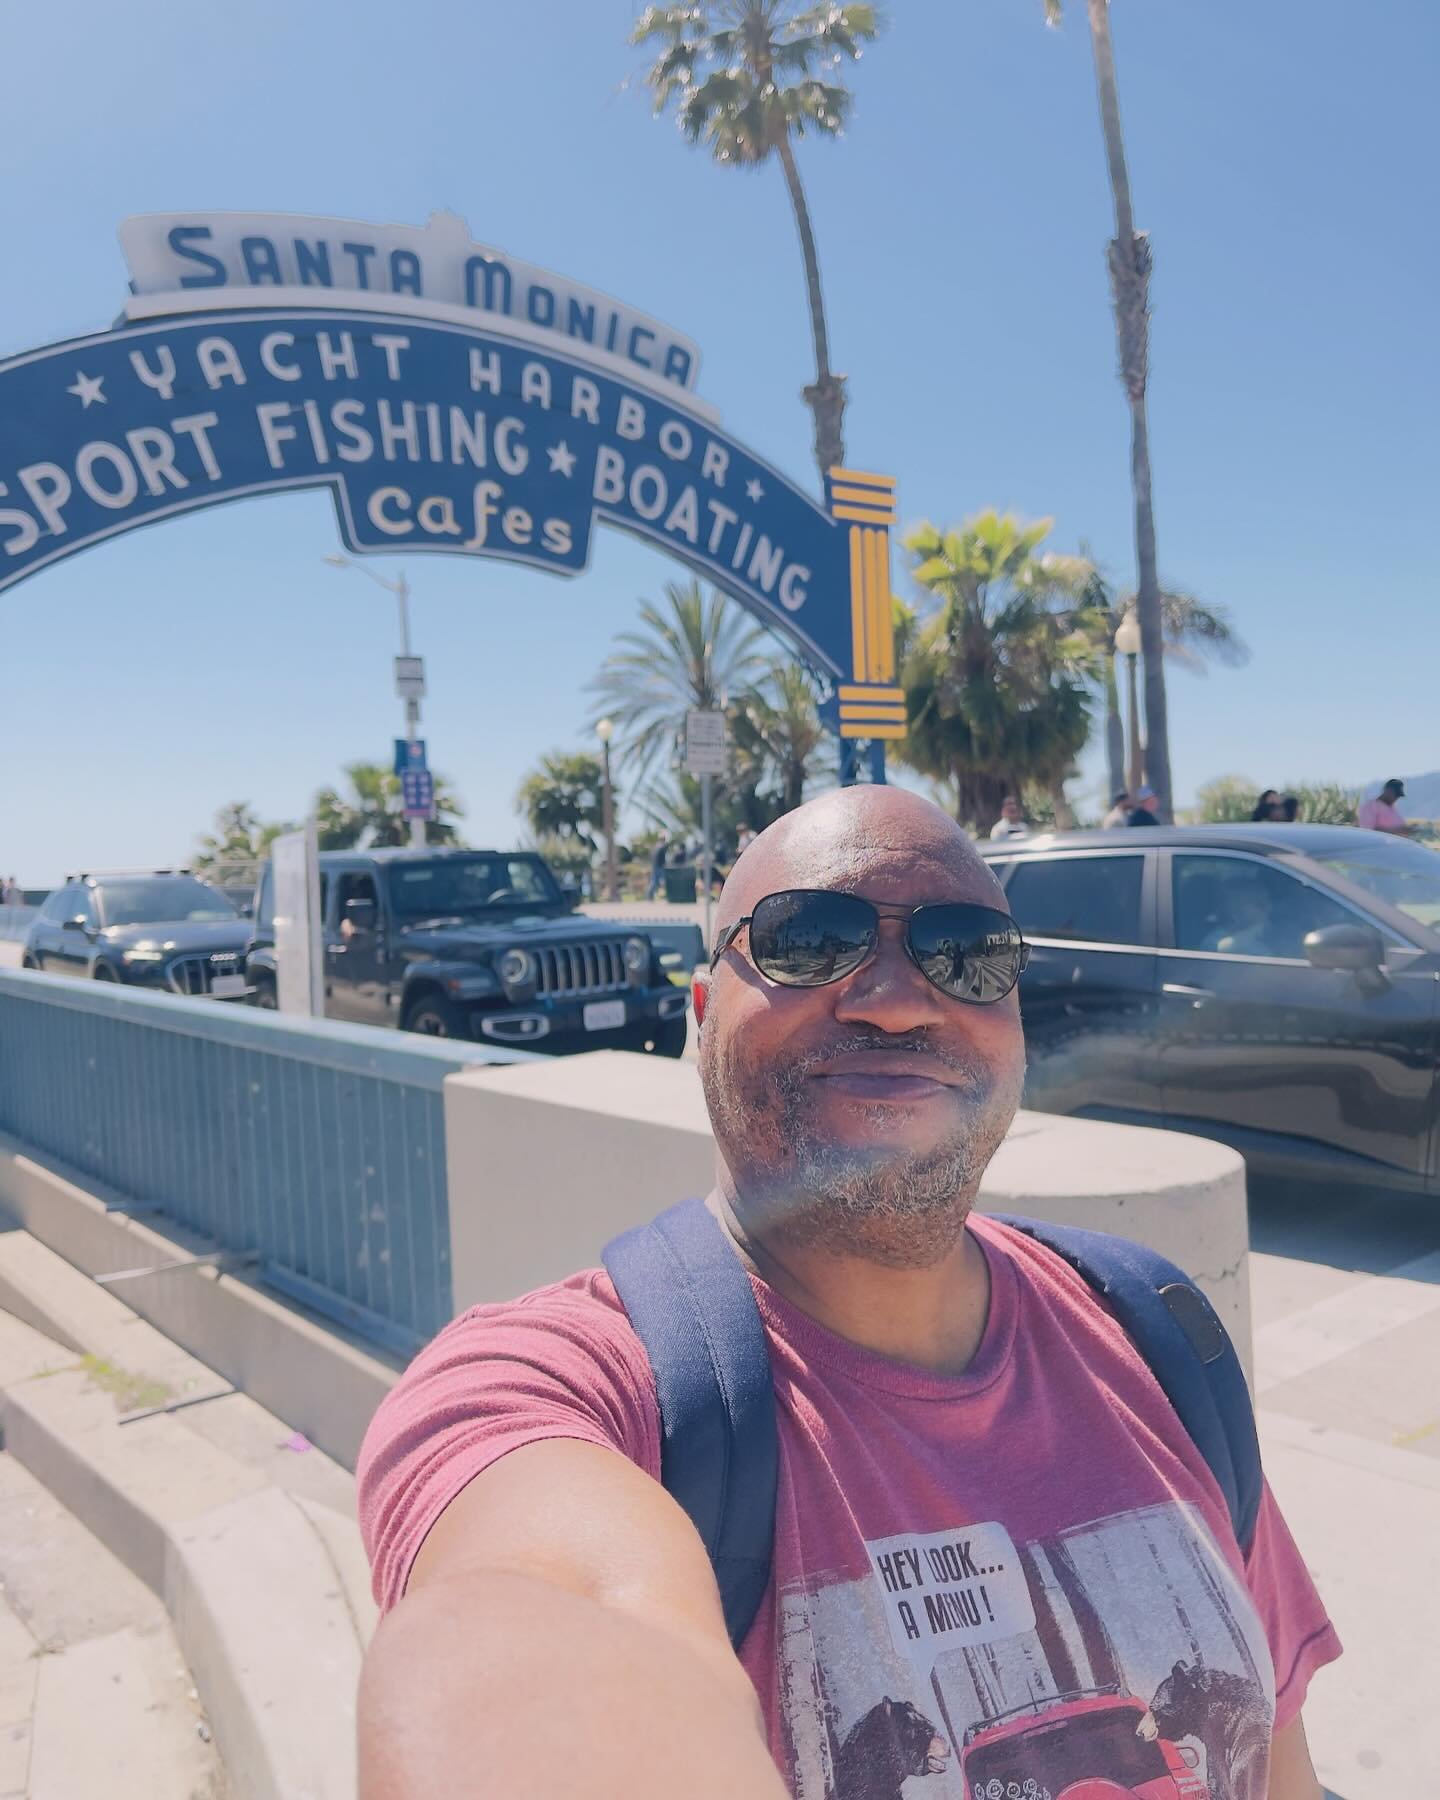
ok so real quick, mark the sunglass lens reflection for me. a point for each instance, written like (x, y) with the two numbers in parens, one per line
(805, 940)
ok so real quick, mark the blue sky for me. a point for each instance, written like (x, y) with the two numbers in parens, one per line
(1279, 158)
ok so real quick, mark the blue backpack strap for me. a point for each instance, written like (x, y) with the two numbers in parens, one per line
(692, 1306)
(1179, 1334)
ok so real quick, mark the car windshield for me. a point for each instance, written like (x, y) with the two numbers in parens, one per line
(168, 898)
(460, 885)
(1406, 876)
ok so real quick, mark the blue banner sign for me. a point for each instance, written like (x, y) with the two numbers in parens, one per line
(409, 754)
(433, 428)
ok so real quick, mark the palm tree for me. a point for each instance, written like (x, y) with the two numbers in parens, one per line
(741, 74)
(370, 813)
(239, 844)
(1193, 634)
(562, 798)
(693, 649)
(996, 678)
(776, 731)
(1130, 261)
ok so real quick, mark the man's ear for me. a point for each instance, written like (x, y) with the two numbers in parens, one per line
(700, 994)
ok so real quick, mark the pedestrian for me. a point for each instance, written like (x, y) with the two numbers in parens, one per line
(12, 894)
(657, 865)
(1012, 822)
(1289, 809)
(1146, 808)
(986, 1504)
(1119, 813)
(1382, 814)
(1264, 807)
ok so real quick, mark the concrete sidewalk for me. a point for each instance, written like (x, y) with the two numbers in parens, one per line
(1347, 1372)
(95, 1697)
(224, 1518)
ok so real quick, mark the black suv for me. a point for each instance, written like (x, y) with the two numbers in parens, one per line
(160, 928)
(1273, 986)
(478, 944)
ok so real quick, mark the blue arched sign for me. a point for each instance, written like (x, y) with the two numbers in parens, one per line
(487, 421)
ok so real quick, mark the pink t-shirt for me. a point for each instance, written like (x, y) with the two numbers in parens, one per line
(984, 1586)
(1380, 815)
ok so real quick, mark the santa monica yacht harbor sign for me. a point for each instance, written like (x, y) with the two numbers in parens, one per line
(451, 399)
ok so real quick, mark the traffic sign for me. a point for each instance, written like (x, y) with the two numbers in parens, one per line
(417, 793)
(410, 677)
(410, 754)
(705, 745)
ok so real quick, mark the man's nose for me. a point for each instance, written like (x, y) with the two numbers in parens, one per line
(888, 991)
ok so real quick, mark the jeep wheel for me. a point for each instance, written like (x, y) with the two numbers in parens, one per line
(670, 1037)
(265, 996)
(432, 1015)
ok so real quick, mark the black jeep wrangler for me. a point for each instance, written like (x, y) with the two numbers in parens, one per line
(480, 944)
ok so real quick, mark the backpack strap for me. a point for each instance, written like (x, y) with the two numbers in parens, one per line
(692, 1306)
(1189, 1351)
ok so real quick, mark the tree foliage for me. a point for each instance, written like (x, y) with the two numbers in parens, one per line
(998, 661)
(237, 845)
(693, 648)
(562, 799)
(368, 812)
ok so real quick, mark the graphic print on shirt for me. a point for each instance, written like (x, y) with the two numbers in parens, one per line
(1120, 1658)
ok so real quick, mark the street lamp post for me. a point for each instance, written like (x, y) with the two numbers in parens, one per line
(605, 730)
(1127, 644)
(400, 588)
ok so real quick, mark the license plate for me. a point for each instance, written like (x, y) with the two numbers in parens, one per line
(604, 1015)
(226, 987)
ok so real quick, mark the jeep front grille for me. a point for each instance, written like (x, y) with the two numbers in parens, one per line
(594, 967)
(196, 974)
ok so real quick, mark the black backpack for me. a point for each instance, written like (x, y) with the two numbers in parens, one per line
(691, 1304)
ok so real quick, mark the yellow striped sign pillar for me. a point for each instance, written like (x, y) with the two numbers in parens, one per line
(871, 706)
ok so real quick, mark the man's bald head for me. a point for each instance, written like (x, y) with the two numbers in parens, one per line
(835, 840)
(858, 1113)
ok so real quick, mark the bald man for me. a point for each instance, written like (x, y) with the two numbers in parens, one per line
(987, 1511)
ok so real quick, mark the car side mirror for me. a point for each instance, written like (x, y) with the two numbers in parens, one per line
(1356, 948)
(361, 914)
(73, 925)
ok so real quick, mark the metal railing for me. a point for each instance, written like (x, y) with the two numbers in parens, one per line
(315, 1148)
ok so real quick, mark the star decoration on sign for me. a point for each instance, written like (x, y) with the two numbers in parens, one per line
(562, 459)
(87, 389)
(753, 490)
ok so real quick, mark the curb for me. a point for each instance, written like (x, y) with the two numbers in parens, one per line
(270, 1624)
(324, 1382)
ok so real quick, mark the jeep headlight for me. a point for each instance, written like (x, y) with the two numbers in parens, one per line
(517, 967)
(637, 957)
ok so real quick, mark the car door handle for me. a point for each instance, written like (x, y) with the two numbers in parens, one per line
(1184, 992)
(335, 949)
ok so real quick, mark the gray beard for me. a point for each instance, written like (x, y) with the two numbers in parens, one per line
(898, 1208)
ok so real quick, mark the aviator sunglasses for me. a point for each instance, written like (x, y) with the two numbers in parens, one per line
(808, 937)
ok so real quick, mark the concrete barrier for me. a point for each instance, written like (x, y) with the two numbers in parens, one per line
(546, 1161)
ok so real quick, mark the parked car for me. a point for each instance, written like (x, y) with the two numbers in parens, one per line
(480, 944)
(163, 929)
(1273, 986)
(1092, 1742)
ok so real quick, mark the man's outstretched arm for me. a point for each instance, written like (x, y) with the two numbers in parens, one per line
(561, 1635)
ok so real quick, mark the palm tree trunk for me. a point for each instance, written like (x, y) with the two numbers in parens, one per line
(1129, 257)
(1114, 731)
(826, 394)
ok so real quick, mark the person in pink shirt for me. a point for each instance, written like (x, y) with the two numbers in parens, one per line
(1000, 1566)
(1382, 814)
